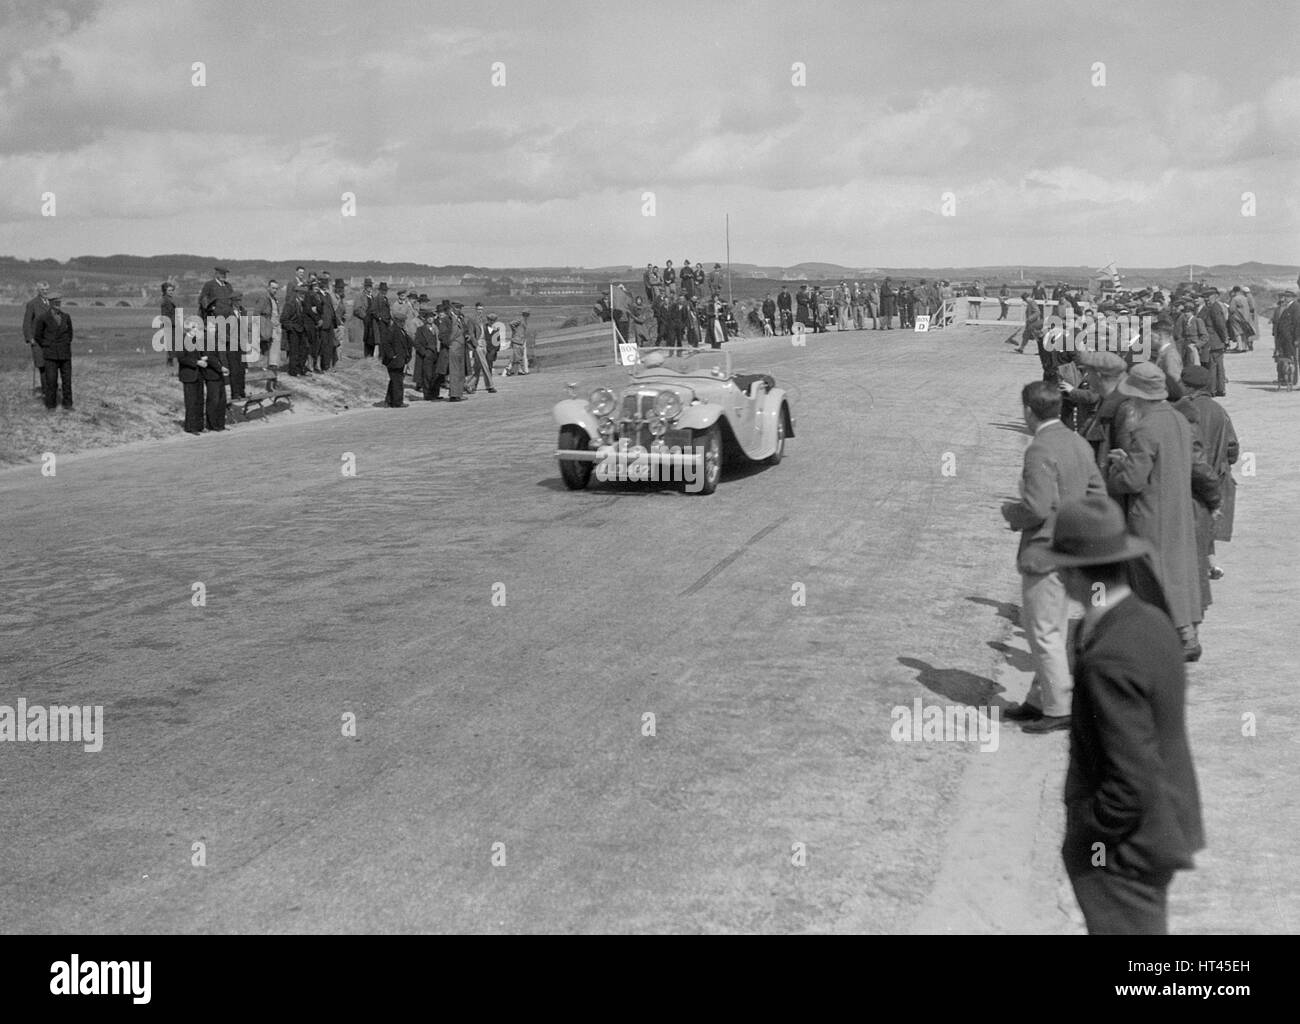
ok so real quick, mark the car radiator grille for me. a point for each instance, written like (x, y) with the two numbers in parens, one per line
(634, 417)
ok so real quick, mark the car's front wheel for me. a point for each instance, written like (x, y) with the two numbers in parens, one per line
(575, 473)
(710, 441)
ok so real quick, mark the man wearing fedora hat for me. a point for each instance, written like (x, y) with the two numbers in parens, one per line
(1153, 478)
(1133, 809)
(1058, 467)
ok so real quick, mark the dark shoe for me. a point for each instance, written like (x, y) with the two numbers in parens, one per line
(455, 399)
(1023, 713)
(68, 406)
(1048, 723)
(1192, 651)
(1216, 573)
(491, 391)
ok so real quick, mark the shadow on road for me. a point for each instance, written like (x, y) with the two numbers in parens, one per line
(1005, 609)
(956, 684)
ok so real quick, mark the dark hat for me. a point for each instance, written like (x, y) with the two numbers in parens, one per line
(424, 298)
(367, 283)
(1146, 381)
(220, 269)
(383, 286)
(1091, 531)
(1196, 376)
(1210, 291)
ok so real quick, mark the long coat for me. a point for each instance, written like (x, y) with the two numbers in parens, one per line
(1131, 785)
(1219, 443)
(1154, 483)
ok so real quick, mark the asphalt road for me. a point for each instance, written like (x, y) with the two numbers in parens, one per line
(518, 724)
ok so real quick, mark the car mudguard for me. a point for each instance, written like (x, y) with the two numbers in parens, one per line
(772, 404)
(574, 411)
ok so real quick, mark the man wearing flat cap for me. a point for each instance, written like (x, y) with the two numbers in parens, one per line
(1132, 805)
(1152, 476)
(1101, 409)
(52, 334)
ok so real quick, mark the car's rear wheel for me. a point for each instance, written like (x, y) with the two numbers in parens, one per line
(575, 473)
(779, 452)
(710, 440)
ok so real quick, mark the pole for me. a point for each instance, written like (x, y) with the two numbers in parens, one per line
(729, 301)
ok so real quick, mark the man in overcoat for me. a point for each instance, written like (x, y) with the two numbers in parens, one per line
(1153, 478)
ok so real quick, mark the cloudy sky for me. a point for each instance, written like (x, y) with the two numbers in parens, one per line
(695, 102)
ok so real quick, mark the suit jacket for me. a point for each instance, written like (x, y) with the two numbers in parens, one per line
(36, 308)
(1131, 785)
(267, 310)
(216, 299)
(1286, 330)
(1059, 467)
(1216, 326)
(187, 366)
(54, 335)
(394, 349)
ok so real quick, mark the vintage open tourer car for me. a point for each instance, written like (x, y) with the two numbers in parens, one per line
(683, 413)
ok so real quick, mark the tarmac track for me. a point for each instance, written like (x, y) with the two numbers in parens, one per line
(521, 725)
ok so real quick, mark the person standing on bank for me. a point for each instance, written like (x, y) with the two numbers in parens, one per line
(190, 372)
(395, 353)
(1133, 809)
(168, 310)
(217, 301)
(53, 334)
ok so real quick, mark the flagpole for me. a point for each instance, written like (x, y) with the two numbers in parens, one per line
(729, 299)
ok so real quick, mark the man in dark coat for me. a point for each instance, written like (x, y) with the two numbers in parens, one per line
(217, 303)
(37, 306)
(293, 327)
(330, 317)
(361, 310)
(1220, 449)
(394, 353)
(1286, 337)
(312, 301)
(426, 356)
(380, 318)
(1101, 406)
(212, 364)
(784, 305)
(1214, 317)
(53, 334)
(167, 308)
(1133, 809)
(1153, 477)
(190, 373)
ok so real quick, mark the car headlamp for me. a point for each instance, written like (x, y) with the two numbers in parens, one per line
(606, 428)
(658, 427)
(602, 401)
(668, 405)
